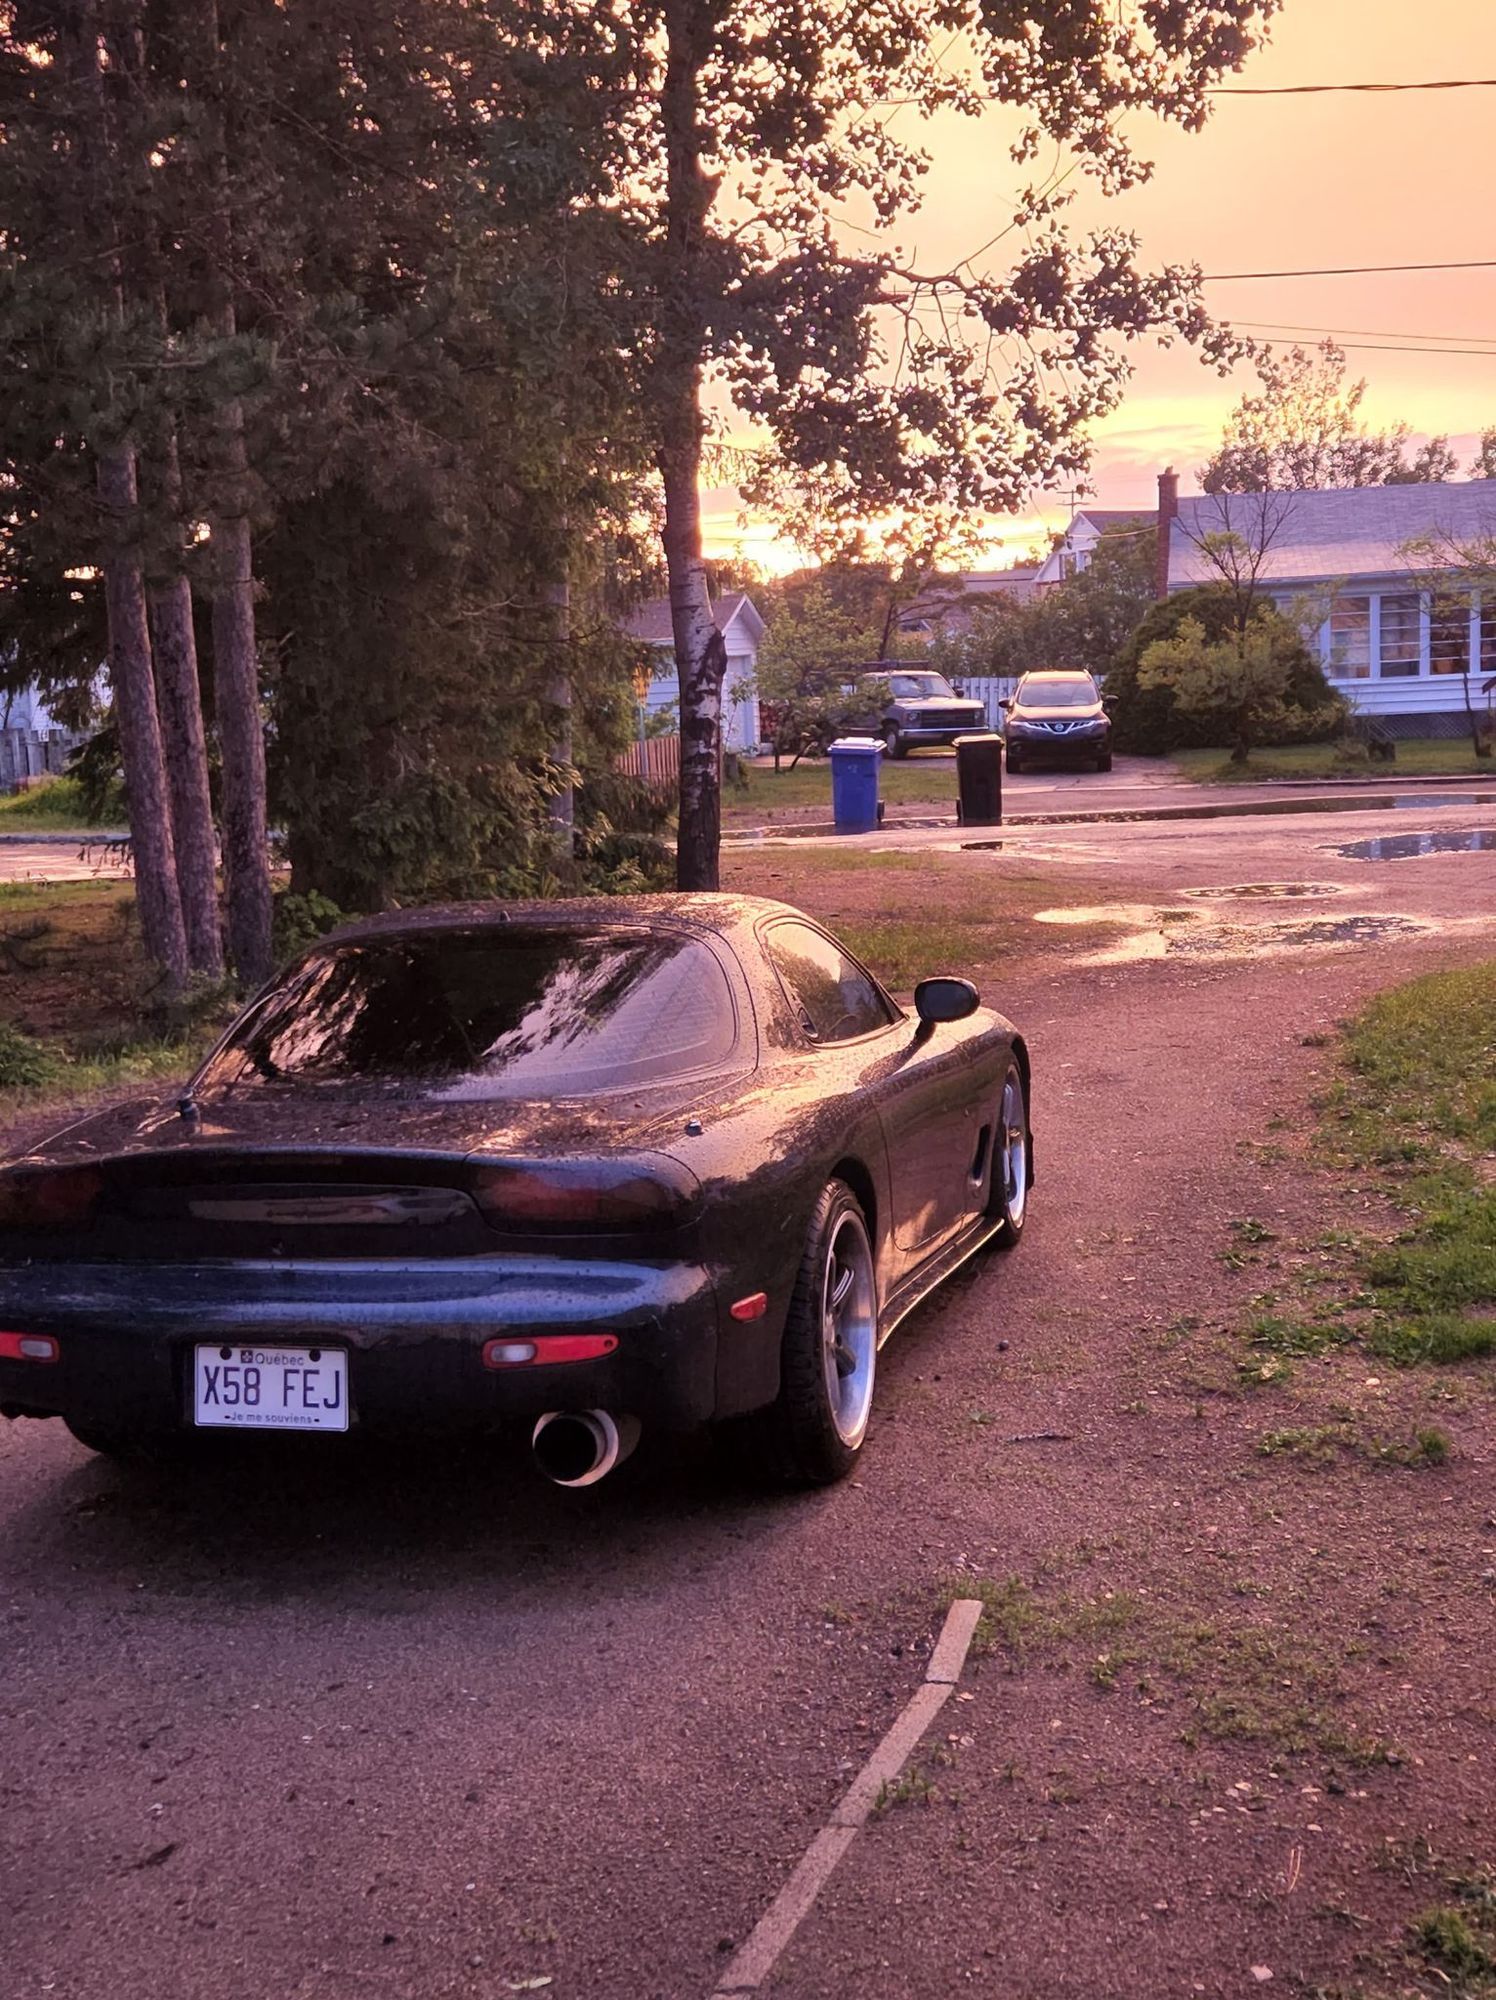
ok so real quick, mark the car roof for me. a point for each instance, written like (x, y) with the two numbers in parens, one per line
(700, 911)
(1059, 674)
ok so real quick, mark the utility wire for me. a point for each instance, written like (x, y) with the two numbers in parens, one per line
(1325, 89)
(1350, 270)
(1370, 347)
(1354, 332)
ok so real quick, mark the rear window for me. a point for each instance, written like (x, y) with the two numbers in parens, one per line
(485, 1013)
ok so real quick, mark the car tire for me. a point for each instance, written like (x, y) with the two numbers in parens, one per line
(813, 1431)
(1014, 764)
(893, 743)
(1104, 763)
(1012, 1160)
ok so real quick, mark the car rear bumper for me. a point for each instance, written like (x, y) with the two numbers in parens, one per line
(414, 1336)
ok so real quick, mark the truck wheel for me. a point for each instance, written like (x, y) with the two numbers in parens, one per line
(893, 742)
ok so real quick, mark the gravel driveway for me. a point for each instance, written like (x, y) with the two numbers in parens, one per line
(434, 1729)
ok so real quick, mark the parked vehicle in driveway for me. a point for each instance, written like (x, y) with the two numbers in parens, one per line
(912, 710)
(579, 1166)
(1060, 716)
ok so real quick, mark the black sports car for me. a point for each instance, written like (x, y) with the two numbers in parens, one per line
(667, 1161)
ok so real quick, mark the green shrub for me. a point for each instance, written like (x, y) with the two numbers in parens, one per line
(1148, 720)
(24, 1064)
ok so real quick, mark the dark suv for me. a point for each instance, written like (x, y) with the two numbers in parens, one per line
(919, 708)
(1057, 715)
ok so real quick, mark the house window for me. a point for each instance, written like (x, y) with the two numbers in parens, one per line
(1488, 632)
(1402, 636)
(1350, 638)
(1449, 636)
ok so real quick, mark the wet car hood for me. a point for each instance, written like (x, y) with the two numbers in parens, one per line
(289, 1120)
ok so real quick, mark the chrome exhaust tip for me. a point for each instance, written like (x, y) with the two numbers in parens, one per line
(580, 1447)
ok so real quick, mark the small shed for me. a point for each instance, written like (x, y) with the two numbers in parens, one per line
(738, 620)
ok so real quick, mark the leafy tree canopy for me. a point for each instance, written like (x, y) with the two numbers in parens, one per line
(1304, 429)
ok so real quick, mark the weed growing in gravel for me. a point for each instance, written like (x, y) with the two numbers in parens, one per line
(1457, 1940)
(1324, 1444)
(1018, 1621)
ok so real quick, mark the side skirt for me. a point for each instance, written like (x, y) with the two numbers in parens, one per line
(916, 1289)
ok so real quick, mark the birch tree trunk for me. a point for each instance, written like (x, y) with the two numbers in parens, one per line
(700, 654)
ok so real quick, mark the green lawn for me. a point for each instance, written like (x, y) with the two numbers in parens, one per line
(927, 777)
(1419, 757)
(55, 807)
(1411, 1117)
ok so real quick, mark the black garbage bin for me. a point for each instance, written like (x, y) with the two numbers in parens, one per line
(979, 779)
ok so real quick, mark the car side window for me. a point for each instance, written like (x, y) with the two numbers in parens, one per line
(831, 994)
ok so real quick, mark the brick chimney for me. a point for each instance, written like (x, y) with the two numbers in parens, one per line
(1168, 508)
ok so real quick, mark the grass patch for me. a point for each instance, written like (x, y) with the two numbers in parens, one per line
(904, 950)
(1418, 757)
(1015, 1619)
(1457, 1940)
(927, 778)
(1412, 1115)
(1325, 1444)
(55, 807)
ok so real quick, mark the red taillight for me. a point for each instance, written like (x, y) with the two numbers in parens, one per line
(584, 1194)
(29, 1347)
(515, 1351)
(48, 1197)
(753, 1307)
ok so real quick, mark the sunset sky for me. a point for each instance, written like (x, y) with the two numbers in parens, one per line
(1275, 183)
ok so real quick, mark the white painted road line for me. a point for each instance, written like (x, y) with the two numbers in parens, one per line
(789, 1909)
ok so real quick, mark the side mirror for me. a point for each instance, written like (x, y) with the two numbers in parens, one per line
(937, 1000)
(1005, 704)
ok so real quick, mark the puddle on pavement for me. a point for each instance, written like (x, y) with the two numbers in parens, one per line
(1409, 846)
(1264, 892)
(1206, 940)
(1154, 933)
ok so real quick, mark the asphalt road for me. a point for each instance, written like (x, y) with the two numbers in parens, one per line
(422, 1729)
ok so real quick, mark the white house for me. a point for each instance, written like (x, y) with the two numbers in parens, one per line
(1340, 561)
(1073, 551)
(742, 630)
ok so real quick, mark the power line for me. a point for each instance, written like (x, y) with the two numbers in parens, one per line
(1354, 332)
(1350, 270)
(1369, 347)
(1324, 89)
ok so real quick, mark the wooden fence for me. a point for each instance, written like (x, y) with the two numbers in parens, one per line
(656, 760)
(989, 690)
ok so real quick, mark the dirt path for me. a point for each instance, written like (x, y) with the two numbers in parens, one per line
(435, 1730)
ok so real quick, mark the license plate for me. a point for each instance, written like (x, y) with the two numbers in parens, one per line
(270, 1388)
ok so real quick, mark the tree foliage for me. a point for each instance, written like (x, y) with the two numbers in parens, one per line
(1150, 717)
(879, 389)
(1240, 685)
(1304, 429)
(1080, 621)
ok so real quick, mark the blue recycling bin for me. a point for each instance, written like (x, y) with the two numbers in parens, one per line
(854, 783)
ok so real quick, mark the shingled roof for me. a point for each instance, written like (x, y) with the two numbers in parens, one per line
(1323, 536)
(651, 622)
